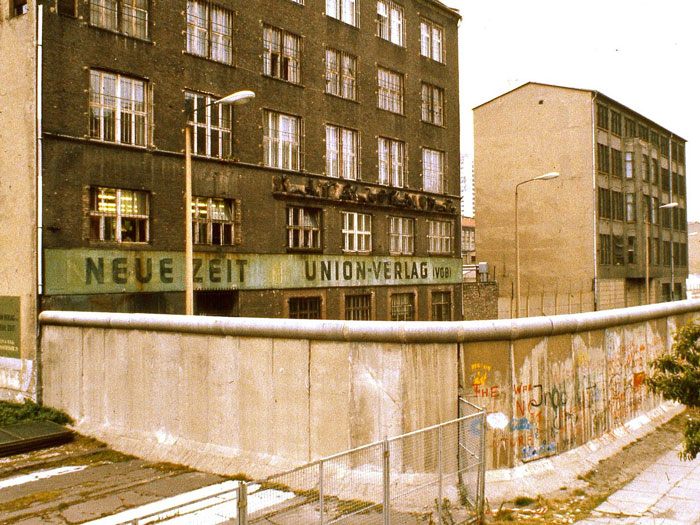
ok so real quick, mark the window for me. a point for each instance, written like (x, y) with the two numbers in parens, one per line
(211, 125)
(357, 232)
(281, 54)
(654, 210)
(213, 221)
(618, 250)
(681, 185)
(666, 253)
(303, 228)
(432, 37)
(432, 104)
(654, 138)
(341, 74)
(674, 183)
(630, 211)
(66, 7)
(603, 158)
(676, 254)
(643, 132)
(403, 307)
(654, 171)
(604, 206)
(441, 306)
(663, 145)
(401, 230)
(666, 217)
(390, 22)
(615, 123)
(616, 156)
(341, 152)
(343, 10)
(117, 108)
(390, 90)
(645, 168)
(630, 128)
(358, 307)
(605, 249)
(19, 7)
(629, 165)
(392, 161)
(434, 171)
(304, 308)
(665, 180)
(281, 140)
(618, 207)
(209, 31)
(602, 116)
(631, 241)
(439, 236)
(118, 215)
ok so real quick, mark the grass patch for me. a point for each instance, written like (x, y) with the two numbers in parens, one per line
(523, 501)
(26, 501)
(13, 413)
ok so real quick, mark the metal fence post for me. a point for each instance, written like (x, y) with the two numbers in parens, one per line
(242, 503)
(439, 499)
(482, 469)
(386, 473)
(320, 490)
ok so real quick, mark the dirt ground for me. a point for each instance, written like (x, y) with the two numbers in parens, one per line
(569, 505)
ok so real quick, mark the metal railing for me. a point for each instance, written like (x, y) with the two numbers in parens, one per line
(433, 475)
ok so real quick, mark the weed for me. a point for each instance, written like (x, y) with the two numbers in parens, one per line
(13, 413)
(25, 501)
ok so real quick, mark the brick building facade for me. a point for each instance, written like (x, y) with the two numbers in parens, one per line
(334, 193)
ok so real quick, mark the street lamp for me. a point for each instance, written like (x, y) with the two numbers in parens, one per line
(236, 99)
(546, 176)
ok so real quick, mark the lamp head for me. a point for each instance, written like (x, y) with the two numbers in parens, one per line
(238, 98)
(669, 205)
(548, 176)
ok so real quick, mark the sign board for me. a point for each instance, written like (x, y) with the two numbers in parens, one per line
(79, 271)
(9, 326)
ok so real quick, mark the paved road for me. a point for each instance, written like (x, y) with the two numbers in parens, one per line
(666, 493)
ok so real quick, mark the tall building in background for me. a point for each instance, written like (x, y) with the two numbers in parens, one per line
(466, 184)
(333, 194)
(614, 220)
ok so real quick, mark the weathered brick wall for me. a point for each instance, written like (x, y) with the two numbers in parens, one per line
(480, 300)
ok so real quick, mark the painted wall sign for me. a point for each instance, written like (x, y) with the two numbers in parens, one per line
(9, 326)
(113, 271)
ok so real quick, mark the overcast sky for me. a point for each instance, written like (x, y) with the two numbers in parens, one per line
(644, 54)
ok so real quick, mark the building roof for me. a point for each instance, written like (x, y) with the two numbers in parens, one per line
(450, 10)
(593, 92)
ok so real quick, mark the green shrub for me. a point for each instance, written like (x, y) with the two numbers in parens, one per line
(13, 413)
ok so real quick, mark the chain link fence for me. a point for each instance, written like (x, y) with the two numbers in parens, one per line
(430, 476)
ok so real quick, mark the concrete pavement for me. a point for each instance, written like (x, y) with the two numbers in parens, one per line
(666, 493)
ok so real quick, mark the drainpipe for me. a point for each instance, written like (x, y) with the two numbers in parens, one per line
(39, 194)
(595, 208)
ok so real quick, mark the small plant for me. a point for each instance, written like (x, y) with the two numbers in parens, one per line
(13, 413)
(523, 501)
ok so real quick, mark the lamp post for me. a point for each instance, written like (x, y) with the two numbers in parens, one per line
(673, 283)
(546, 176)
(238, 98)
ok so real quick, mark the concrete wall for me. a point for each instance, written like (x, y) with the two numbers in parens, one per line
(259, 395)
(17, 201)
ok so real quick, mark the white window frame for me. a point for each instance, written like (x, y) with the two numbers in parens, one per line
(390, 87)
(401, 235)
(282, 140)
(118, 108)
(344, 10)
(303, 228)
(403, 306)
(440, 305)
(110, 208)
(391, 22)
(211, 125)
(357, 232)
(392, 162)
(432, 41)
(209, 31)
(342, 152)
(341, 74)
(434, 171)
(210, 214)
(281, 54)
(440, 237)
(432, 104)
